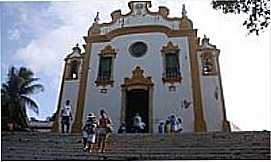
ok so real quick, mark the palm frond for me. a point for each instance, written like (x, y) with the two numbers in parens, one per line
(29, 81)
(25, 73)
(30, 103)
(32, 89)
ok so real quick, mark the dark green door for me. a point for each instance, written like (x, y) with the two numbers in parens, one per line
(137, 101)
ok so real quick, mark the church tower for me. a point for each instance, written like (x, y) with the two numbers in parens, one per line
(148, 63)
(70, 83)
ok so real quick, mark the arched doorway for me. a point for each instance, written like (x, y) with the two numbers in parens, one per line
(137, 97)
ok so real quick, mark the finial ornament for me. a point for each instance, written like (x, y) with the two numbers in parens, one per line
(184, 12)
(205, 39)
(97, 19)
(77, 44)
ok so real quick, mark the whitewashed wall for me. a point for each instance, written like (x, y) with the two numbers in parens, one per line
(141, 18)
(164, 101)
(213, 110)
(70, 92)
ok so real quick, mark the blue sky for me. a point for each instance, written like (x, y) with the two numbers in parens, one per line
(17, 31)
(39, 35)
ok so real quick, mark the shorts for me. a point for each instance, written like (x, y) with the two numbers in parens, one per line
(174, 128)
(102, 131)
(91, 138)
(65, 120)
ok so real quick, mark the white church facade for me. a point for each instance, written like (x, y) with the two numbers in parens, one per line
(148, 63)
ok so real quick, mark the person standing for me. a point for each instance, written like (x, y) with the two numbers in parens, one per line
(179, 123)
(66, 117)
(161, 127)
(104, 130)
(174, 123)
(167, 127)
(138, 125)
(89, 133)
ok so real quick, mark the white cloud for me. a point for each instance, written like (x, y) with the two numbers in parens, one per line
(244, 59)
(14, 34)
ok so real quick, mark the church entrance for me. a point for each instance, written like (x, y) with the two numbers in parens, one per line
(137, 102)
(137, 97)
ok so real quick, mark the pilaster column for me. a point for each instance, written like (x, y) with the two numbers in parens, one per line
(77, 125)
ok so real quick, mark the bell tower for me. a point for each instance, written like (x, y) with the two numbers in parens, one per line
(211, 87)
(70, 83)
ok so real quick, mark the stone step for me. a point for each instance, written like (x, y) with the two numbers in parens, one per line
(52, 146)
(173, 151)
(136, 157)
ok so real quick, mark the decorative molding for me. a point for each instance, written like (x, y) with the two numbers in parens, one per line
(139, 29)
(172, 80)
(137, 79)
(117, 15)
(170, 48)
(108, 51)
(210, 58)
(95, 29)
(185, 24)
(104, 83)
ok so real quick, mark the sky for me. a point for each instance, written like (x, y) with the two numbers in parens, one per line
(39, 35)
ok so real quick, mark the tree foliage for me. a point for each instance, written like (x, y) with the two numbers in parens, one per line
(15, 95)
(258, 12)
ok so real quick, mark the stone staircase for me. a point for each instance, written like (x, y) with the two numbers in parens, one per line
(216, 145)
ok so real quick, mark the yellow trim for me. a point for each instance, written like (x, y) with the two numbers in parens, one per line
(199, 123)
(170, 48)
(77, 125)
(137, 81)
(139, 29)
(108, 51)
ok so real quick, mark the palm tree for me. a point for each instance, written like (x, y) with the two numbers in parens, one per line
(15, 96)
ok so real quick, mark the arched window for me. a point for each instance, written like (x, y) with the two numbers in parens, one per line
(74, 67)
(208, 64)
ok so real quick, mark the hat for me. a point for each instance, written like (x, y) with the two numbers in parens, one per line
(91, 115)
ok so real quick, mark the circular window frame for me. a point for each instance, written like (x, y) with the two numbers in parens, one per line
(140, 53)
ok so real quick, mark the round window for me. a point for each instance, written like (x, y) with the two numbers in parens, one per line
(138, 49)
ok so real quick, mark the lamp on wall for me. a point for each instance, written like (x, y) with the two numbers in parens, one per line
(103, 90)
(172, 88)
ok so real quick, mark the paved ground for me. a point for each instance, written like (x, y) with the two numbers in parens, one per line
(52, 146)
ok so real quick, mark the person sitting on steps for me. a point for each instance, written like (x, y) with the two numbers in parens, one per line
(122, 128)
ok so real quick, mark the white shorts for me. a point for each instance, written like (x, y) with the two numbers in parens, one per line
(91, 138)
